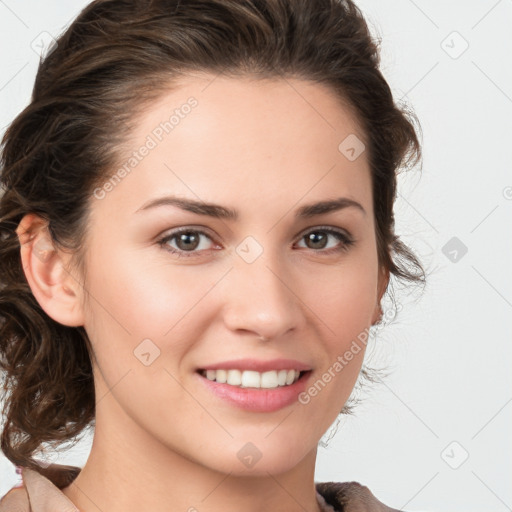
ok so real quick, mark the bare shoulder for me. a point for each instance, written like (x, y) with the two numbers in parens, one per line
(16, 500)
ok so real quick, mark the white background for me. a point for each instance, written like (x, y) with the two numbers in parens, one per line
(450, 349)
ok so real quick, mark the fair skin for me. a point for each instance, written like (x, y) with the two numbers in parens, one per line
(163, 441)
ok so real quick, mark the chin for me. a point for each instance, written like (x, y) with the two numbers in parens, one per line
(259, 458)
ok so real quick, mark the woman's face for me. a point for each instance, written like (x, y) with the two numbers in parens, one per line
(165, 306)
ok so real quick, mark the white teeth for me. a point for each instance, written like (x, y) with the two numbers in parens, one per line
(234, 377)
(290, 377)
(269, 379)
(252, 379)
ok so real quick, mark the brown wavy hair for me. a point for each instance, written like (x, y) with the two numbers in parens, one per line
(115, 58)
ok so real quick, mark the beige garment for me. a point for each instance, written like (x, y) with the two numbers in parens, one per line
(42, 494)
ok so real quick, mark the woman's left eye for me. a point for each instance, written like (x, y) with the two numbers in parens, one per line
(188, 242)
(319, 238)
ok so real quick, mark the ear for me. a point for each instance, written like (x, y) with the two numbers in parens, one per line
(382, 285)
(55, 289)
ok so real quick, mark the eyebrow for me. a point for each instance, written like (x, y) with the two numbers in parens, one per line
(220, 212)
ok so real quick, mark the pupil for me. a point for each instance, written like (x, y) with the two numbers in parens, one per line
(186, 239)
(315, 238)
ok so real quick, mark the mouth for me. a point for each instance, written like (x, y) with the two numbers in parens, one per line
(256, 386)
(271, 379)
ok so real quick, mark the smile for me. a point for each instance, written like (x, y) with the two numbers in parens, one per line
(253, 379)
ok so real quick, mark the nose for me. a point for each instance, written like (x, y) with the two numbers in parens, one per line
(260, 299)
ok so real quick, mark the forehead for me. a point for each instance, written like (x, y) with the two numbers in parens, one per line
(223, 139)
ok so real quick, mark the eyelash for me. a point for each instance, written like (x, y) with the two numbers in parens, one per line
(346, 240)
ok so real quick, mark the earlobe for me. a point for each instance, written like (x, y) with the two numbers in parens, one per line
(55, 289)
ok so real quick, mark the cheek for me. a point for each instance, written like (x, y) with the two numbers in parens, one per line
(344, 296)
(345, 322)
(344, 302)
(135, 297)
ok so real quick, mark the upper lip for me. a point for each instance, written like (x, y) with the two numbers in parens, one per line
(258, 365)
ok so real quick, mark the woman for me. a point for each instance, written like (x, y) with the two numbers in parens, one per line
(261, 135)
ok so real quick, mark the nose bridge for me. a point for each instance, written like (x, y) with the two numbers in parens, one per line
(259, 297)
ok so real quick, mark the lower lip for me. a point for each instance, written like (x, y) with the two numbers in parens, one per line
(258, 399)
